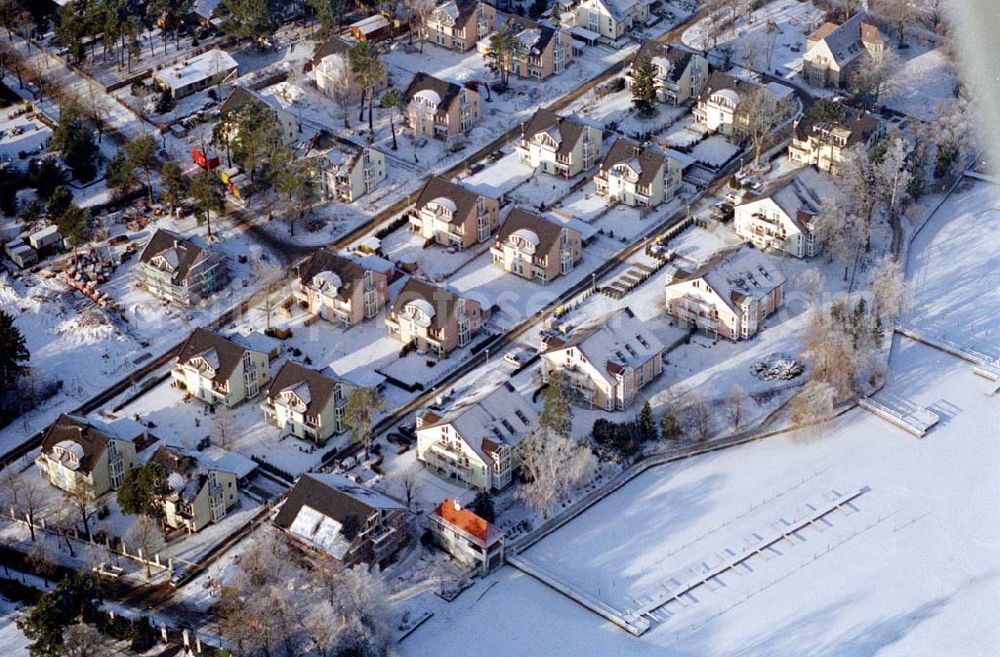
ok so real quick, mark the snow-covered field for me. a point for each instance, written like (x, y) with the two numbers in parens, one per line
(921, 83)
(908, 568)
(13, 643)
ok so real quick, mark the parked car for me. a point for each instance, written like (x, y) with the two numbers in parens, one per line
(348, 463)
(517, 357)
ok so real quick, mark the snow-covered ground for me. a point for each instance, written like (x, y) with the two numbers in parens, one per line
(921, 82)
(908, 568)
(13, 643)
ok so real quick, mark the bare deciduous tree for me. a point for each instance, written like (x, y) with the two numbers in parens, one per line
(736, 398)
(812, 284)
(39, 561)
(553, 465)
(811, 405)
(84, 640)
(841, 232)
(420, 13)
(889, 287)
(224, 426)
(699, 416)
(759, 113)
(833, 356)
(144, 534)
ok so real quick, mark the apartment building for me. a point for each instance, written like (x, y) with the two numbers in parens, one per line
(535, 247)
(558, 145)
(305, 403)
(472, 441)
(824, 143)
(179, 271)
(432, 318)
(640, 176)
(453, 215)
(459, 24)
(541, 50)
(783, 220)
(88, 456)
(729, 295)
(718, 105)
(343, 288)
(440, 109)
(216, 369)
(199, 492)
(612, 19)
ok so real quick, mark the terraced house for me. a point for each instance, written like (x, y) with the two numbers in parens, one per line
(88, 456)
(200, 492)
(218, 370)
(432, 318)
(680, 73)
(560, 146)
(835, 52)
(612, 19)
(305, 403)
(607, 362)
(535, 247)
(440, 109)
(453, 215)
(729, 295)
(541, 52)
(640, 176)
(473, 441)
(179, 271)
(459, 24)
(783, 220)
(343, 288)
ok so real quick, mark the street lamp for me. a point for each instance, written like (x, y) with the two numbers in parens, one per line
(487, 356)
(593, 280)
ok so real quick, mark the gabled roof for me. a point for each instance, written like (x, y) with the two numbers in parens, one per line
(485, 421)
(565, 131)
(450, 512)
(446, 91)
(797, 200)
(222, 354)
(316, 390)
(547, 230)
(612, 343)
(328, 510)
(335, 45)
(736, 274)
(178, 254)
(672, 57)
(534, 36)
(458, 10)
(719, 81)
(647, 162)
(348, 269)
(86, 439)
(186, 476)
(240, 96)
(619, 9)
(846, 41)
(462, 198)
(441, 302)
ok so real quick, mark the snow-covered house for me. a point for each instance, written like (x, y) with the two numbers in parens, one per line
(331, 69)
(608, 361)
(433, 318)
(834, 52)
(718, 106)
(343, 288)
(640, 176)
(680, 75)
(473, 440)
(612, 19)
(371, 28)
(216, 369)
(561, 146)
(240, 96)
(79, 454)
(783, 220)
(305, 403)
(541, 52)
(824, 143)
(349, 171)
(200, 492)
(177, 270)
(459, 24)
(729, 295)
(453, 215)
(440, 109)
(197, 73)
(536, 247)
(342, 520)
(467, 537)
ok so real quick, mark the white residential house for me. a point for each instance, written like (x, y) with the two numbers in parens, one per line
(473, 440)
(305, 403)
(558, 145)
(784, 220)
(728, 296)
(640, 176)
(216, 369)
(200, 491)
(350, 171)
(89, 456)
(834, 52)
(612, 19)
(680, 75)
(607, 362)
(825, 144)
(718, 107)
(467, 537)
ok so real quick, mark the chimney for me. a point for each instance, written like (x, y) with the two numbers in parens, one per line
(458, 507)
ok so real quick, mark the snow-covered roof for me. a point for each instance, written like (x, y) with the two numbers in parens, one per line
(445, 203)
(527, 235)
(327, 279)
(216, 458)
(423, 306)
(363, 377)
(197, 69)
(736, 274)
(320, 530)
